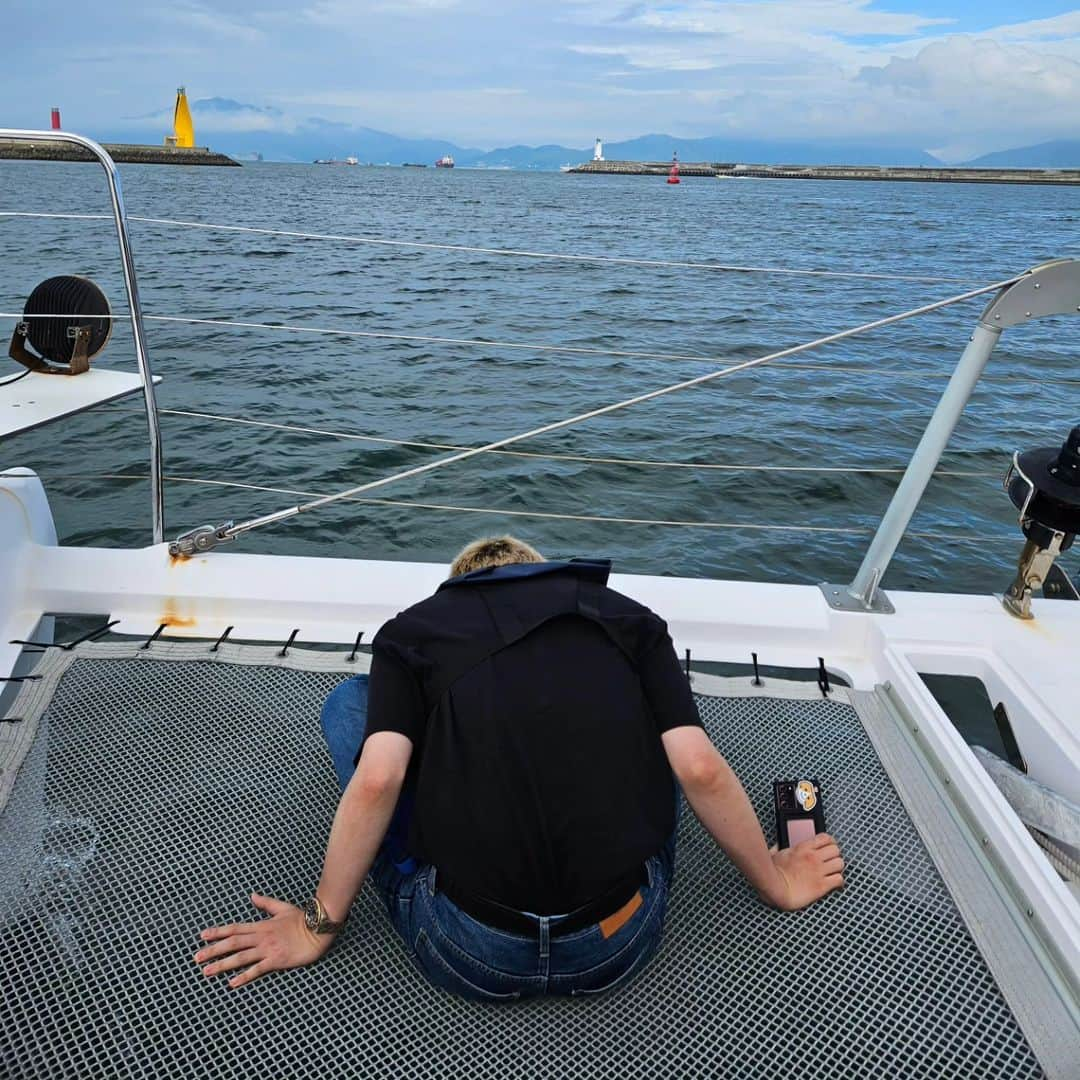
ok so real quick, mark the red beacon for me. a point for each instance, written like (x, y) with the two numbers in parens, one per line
(673, 176)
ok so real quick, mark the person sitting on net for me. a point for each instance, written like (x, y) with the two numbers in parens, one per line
(509, 776)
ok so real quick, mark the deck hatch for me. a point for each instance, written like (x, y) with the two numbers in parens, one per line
(156, 794)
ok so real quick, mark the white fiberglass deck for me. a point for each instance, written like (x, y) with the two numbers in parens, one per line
(38, 399)
(162, 785)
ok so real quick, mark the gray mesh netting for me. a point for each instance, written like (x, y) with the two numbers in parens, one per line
(157, 795)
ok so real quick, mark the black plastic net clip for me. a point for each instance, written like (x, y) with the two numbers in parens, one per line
(217, 644)
(757, 676)
(823, 677)
(351, 658)
(285, 648)
(152, 638)
(11, 719)
(34, 646)
(42, 646)
(689, 676)
(92, 635)
(19, 678)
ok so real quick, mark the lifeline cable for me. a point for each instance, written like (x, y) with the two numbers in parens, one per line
(331, 331)
(387, 335)
(231, 531)
(616, 260)
(583, 458)
(499, 511)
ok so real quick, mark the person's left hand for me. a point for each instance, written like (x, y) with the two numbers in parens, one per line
(283, 941)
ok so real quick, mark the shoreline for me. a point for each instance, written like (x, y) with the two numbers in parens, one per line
(908, 174)
(121, 153)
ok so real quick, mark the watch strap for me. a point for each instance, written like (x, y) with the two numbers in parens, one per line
(316, 919)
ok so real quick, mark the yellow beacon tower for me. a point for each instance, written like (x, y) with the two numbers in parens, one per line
(183, 129)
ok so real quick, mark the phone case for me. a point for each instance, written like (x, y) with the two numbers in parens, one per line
(798, 805)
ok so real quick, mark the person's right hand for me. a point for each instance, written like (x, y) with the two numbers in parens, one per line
(807, 872)
(278, 943)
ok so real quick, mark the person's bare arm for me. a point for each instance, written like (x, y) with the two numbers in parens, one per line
(788, 879)
(363, 816)
(362, 819)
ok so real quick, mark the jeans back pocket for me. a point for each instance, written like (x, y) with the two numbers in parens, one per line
(440, 973)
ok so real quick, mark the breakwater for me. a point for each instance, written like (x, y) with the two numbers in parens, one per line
(914, 174)
(650, 168)
(121, 153)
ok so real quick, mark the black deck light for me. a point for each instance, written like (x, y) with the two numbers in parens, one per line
(67, 321)
(1044, 485)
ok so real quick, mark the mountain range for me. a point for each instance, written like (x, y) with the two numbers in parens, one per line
(248, 131)
(1063, 154)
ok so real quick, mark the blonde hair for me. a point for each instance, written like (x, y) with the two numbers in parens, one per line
(493, 551)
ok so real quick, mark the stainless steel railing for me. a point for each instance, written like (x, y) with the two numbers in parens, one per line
(138, 332)
(1052, 288)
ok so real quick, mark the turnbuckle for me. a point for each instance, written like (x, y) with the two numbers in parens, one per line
(197, 541)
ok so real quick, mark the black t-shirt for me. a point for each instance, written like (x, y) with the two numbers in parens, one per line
(535, 699)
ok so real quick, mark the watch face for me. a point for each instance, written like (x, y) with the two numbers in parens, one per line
(311, 914)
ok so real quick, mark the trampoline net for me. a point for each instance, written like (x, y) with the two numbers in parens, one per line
(158, 794)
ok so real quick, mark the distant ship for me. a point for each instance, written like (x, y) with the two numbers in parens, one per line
(336, 161)
(445, 162)
(412, 165)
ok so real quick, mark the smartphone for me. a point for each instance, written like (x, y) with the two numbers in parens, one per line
(800, 811)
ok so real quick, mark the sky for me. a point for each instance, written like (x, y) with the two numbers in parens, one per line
(954, 77)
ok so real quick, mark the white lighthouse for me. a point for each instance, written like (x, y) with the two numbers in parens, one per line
(598, 151)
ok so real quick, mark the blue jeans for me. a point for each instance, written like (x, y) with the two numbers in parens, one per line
(456, 952)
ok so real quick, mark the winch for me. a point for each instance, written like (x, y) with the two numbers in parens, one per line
(1044, 485)
(68, 321)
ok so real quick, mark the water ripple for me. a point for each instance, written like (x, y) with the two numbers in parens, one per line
(869, 416)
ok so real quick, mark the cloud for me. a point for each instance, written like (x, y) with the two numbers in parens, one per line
(218, 115)
(792, 35)
(783, 19)
(485, 115)
(1013, 76)
(204, 22)
(491, 72)
(1058, 28)
(223, 116)
(835, 68)
(353, 13)
(652, 57)
(966, 91)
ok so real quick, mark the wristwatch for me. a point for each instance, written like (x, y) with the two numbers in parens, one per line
(316, 919)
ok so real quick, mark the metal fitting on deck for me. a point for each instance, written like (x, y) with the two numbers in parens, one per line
(197, 541)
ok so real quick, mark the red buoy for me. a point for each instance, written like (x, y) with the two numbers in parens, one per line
(673, 176)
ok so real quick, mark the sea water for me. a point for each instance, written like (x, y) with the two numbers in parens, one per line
(828, 417)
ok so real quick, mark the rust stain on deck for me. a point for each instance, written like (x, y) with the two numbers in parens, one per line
(176, 560)
(171, 617)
